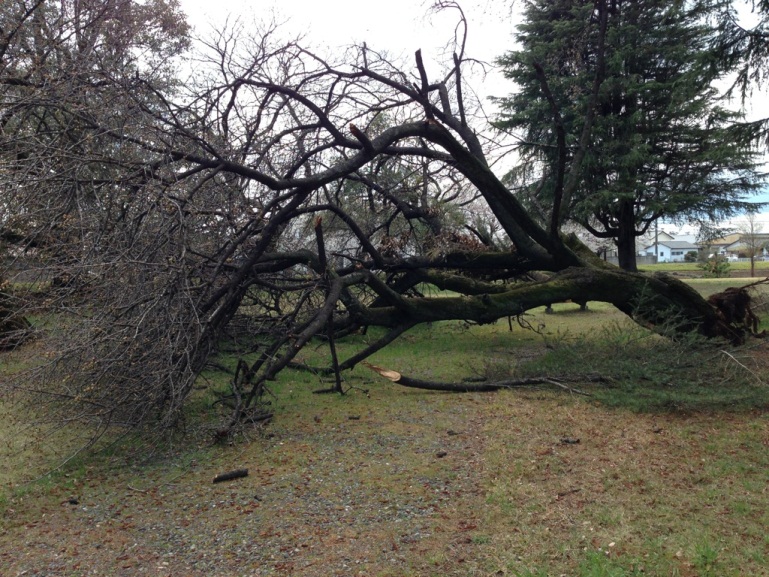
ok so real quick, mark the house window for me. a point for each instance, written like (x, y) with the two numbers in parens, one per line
(676, 252)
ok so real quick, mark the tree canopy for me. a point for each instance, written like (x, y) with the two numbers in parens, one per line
(742, 46)
(639, 102)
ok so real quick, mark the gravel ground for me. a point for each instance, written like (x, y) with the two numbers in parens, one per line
(383, 494)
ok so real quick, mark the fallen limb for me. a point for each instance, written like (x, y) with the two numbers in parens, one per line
(236, 474)
(484, 387)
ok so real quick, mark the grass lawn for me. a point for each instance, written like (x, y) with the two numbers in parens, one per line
(662, 470)
(739, 268)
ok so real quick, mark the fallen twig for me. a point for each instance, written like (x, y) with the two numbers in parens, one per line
(731, 356)
(236, 474)
(566, 387)
(467, 387)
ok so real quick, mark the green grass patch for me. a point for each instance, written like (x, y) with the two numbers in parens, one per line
(693, 267)
(644, 372)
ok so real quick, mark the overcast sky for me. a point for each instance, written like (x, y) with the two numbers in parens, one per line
(397, 26)
(401, 26)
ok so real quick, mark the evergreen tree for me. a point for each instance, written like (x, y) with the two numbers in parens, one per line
(744, 50)
(641, 126)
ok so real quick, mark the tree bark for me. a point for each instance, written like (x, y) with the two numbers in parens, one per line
(236, 474)
(653, 300)
(626, 237)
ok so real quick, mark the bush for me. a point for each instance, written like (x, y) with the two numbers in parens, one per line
(715, 267)
(690, 256)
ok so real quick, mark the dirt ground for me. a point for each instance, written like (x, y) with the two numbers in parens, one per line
(434, 484)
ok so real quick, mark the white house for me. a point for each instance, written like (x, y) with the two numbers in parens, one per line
(670, 250)
(650, 237)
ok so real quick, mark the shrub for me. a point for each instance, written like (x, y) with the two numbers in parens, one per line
(716, 266)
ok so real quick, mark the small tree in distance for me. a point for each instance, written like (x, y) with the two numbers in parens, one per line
(752, 240)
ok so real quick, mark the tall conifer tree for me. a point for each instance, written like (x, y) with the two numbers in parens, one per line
(659, 143)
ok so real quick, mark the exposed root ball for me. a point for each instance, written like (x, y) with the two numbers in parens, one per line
(733, 306)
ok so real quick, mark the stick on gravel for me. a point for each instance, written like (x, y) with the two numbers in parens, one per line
(236, 474)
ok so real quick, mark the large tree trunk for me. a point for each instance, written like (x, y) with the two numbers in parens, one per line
(626, 237)
(658, 301)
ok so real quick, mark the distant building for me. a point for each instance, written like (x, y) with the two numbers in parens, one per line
(721, 245)
(670, 250)
(741, 247)
(650, 237)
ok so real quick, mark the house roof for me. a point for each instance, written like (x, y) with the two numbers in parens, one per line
(676, 244)
(660, 234)
(757, 240)
(724, 241)
(649, 237)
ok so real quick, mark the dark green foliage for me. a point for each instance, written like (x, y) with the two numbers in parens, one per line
(659, 146)
(742, 47)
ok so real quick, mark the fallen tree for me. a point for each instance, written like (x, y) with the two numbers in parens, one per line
(277, 200)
